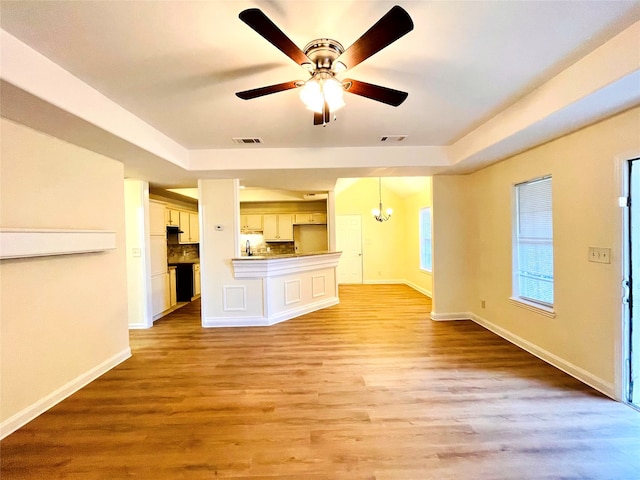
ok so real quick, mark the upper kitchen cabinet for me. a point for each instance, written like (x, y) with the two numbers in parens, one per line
(190, 227)
(194, 228)
(310, 218)
(172, 217)
(157, 218)
(251, 223)
(278, 227)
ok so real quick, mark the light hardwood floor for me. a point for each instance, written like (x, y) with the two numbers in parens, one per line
(368, 389)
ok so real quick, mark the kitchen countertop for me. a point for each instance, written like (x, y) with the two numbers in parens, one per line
(185, 262)
(286, 255)
(279, 265)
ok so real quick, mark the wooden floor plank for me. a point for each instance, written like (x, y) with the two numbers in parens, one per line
(368, 389)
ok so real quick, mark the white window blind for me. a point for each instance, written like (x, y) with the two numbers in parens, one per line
(533, 259)
(425, 239)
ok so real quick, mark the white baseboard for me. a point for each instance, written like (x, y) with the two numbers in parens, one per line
(399, 282)
(581, 374)
(23, 417)
(219, 322)
(383, 282)
(268, 321)
(441, 317)
(418, 289)
(138, 326)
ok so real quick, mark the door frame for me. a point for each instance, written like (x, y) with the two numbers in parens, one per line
(623, 343)
(338, 217)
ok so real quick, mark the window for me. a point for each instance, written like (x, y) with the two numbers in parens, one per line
(533, 242)
(425, 239)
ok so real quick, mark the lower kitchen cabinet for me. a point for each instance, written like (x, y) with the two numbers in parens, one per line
(172, 287)
(159, 298)
(196, 279)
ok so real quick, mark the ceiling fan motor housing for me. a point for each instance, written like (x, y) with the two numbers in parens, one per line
(323, 52)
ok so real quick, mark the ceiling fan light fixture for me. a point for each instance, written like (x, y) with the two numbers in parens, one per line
(323, 87)
(338, 67)
(311, 95)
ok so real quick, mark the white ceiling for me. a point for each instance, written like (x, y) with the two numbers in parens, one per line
(176, 65)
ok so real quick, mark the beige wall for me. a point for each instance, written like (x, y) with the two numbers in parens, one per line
(63, 319)
(383, 252)
(476, 211)
(136, 193)
(452, 231)
(218, 204)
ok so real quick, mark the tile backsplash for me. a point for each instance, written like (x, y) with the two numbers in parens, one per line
(280, 248)
(262, 248)
(182, 253)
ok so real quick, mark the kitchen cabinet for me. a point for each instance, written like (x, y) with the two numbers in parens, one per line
(157, 219)
(310, 219)
(190, 227)
(251, 223)
(159, 298)
(196, 279)
(278, 227)
(172, 287)
(194, 228)
(158, 254)
(159, 275)
(172, 217)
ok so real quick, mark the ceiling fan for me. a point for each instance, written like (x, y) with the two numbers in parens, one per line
(324, 58)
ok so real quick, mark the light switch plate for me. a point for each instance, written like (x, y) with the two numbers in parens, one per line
(599, 255)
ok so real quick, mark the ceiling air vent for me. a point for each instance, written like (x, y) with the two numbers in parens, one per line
(393, 138)
(241, 140)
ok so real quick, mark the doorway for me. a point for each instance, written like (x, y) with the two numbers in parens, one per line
(349, 242)
(632, 285)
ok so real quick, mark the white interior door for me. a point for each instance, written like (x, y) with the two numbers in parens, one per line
(349, 242)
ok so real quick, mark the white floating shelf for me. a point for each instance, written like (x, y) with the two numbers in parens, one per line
(27, 242)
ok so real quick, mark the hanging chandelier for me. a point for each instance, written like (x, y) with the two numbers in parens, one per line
(377, 212)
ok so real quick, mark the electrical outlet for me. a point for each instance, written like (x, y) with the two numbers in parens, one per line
(136, 252)
(599, 255)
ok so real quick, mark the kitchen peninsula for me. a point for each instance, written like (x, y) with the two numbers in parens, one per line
(292, 284)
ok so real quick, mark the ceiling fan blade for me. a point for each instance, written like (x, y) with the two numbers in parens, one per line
(259, 92)
(375, 92)
(393, 25)
(265, 27)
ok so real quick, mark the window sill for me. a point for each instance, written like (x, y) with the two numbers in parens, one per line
(424, 270)
(533, 307)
